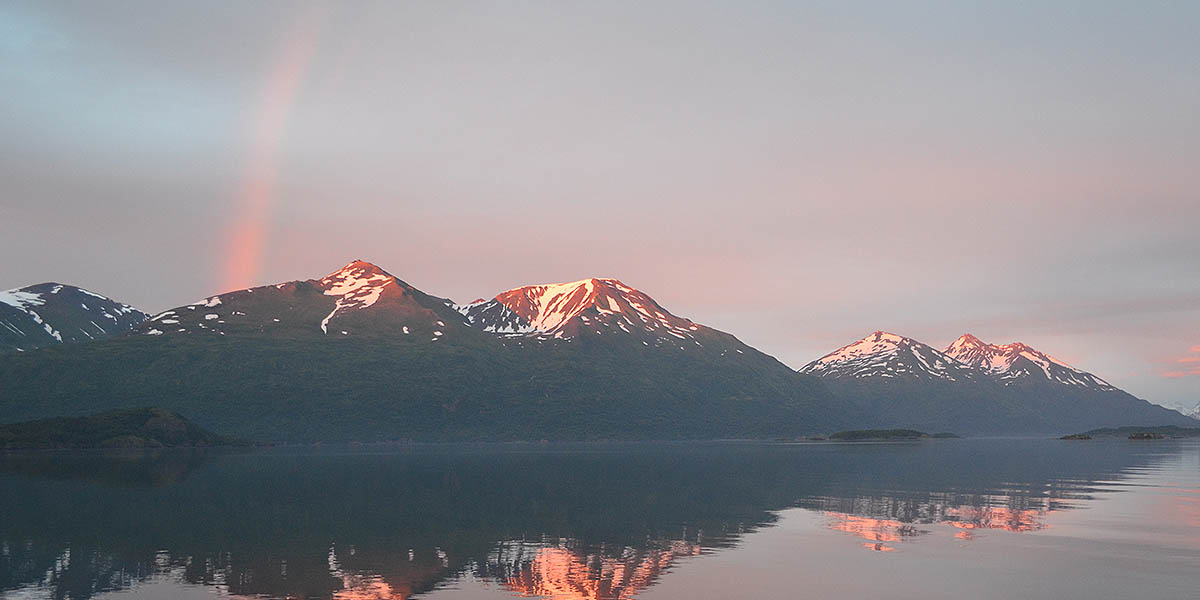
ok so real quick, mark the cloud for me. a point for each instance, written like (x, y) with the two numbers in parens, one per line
(1186, 365)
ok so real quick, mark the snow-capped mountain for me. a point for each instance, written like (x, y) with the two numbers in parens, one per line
(887, 355)
(584, 308)
(53, 313)
(973, 388)
(1016, 361)
(1195, 412)
(360, 299)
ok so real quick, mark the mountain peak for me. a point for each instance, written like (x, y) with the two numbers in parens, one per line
(968, 339)
(1017, 360)
(357, 268)
(358, 285)
(875, 343)
(889, 355)
(595, 305)
(886, 337)
(559, 308)
(330, 306)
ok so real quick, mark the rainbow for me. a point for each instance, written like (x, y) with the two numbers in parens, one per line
(255, 192)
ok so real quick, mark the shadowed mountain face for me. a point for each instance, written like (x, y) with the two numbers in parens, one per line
(598, 522)
(53, 313)
(975, 388)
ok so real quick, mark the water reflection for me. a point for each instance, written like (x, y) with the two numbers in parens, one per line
(563, 572)
(884, 519)
(590, 522)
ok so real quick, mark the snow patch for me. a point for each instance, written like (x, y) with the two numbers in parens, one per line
(357, 285)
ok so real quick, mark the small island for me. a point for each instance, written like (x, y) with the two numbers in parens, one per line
(877, 435)
(1137, 433)
(124, 428)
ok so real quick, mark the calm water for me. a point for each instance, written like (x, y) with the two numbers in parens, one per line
(952, 519)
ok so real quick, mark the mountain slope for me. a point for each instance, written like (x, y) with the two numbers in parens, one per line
(1000, 389)
(1017, 361)
(409, 366)
(53, 313)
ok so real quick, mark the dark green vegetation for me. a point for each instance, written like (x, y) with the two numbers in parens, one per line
(1145, 435)
(987, 407)
(469, 388)
(862, 435)
(125, 428)
(1138, 433)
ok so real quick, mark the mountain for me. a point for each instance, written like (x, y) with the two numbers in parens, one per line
(1016, 361)
(359, 299)
(888, 355)
(1195, 413)
(975, 388)
(566, 310)
(592, 310)
(361, 355)
(53, 313)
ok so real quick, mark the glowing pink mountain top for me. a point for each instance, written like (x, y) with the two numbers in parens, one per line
(560, 308)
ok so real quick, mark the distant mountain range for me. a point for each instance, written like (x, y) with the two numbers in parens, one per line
(361, 355)
(968, 358)
(974, 387)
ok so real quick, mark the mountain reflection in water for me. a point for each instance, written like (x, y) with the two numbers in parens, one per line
(589, 522)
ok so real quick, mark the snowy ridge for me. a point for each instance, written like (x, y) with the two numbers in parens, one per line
(54, 313)
(568, 310)
(888, 355)
(1016, 361)
(356, 286)
(358, 299)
